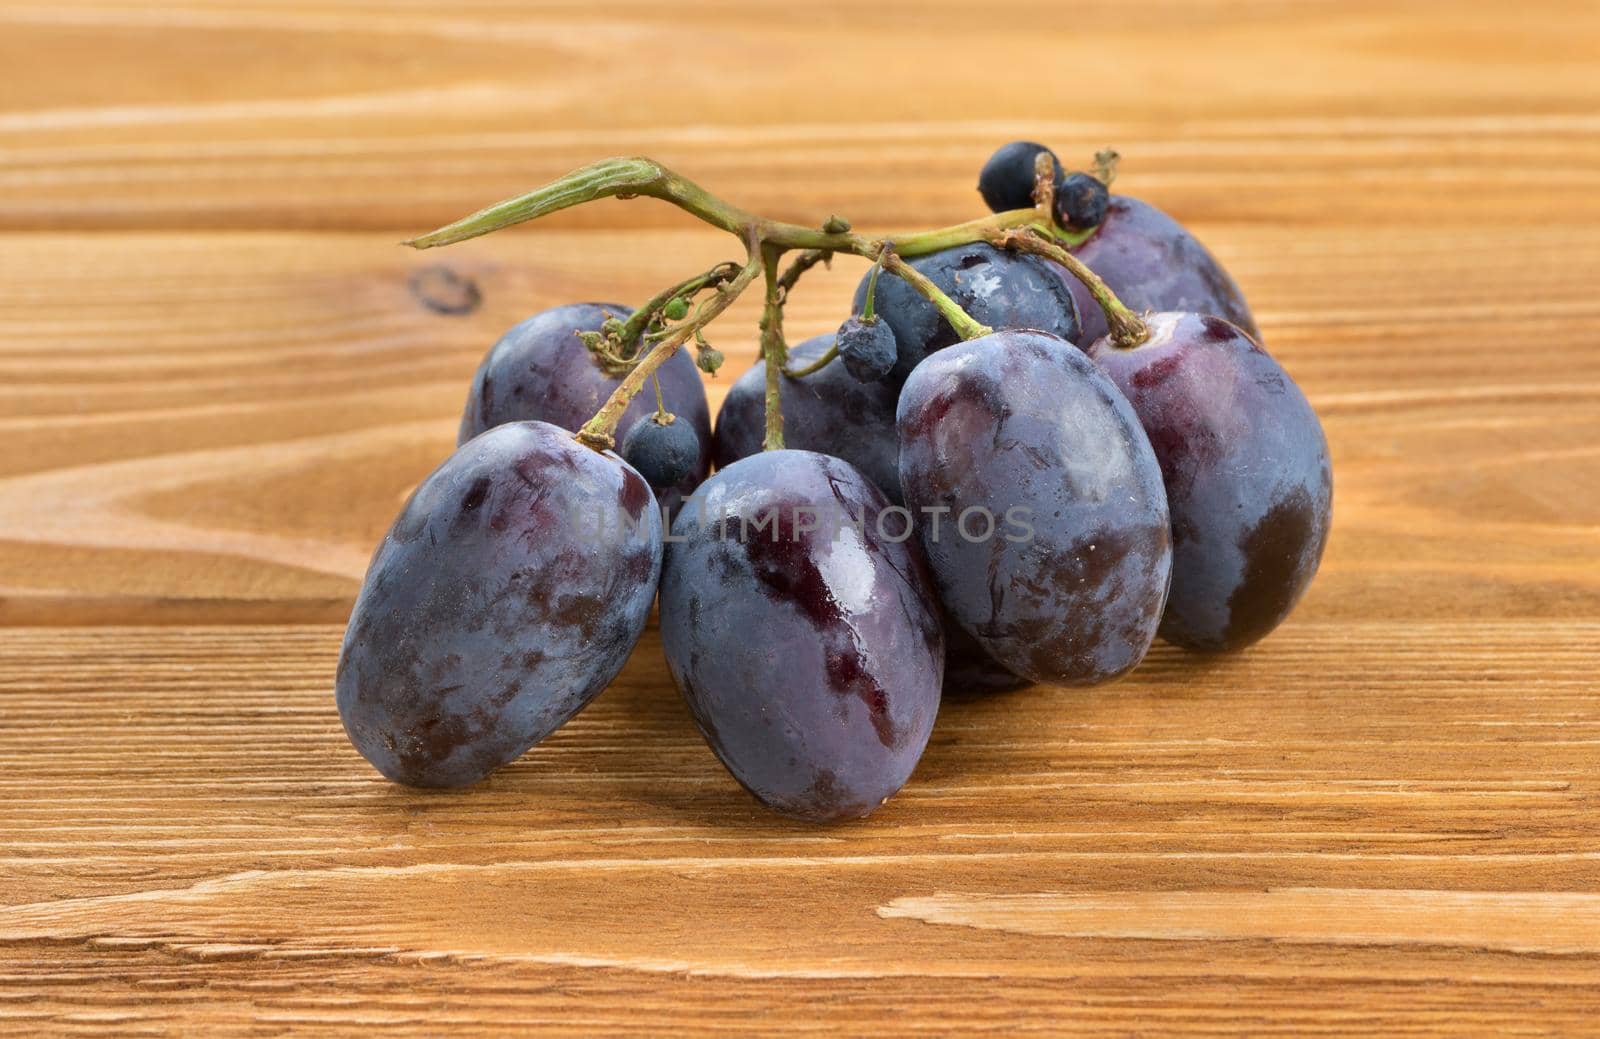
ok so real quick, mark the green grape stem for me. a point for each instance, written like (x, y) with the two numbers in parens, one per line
(635, 177)
(662, 415)
(966, 326)
(869, 305)
(773, 350)
(1127, 329)
(767, 240)
(815, 366)
(634, 328)
(599, 432)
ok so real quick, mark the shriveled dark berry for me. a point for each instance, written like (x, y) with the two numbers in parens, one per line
(1006, 181)
(867, 348)
(663, 454)
(1081, 201)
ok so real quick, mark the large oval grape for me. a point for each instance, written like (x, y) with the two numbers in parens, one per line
(1000, 289)
(1153, 263)
(541, 370)
(508, 593)
(810, 659)
(1248, 479)
(827, 411)
(1065, 579)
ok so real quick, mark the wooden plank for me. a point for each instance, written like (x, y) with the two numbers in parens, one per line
(1286, 842)
(120, 113)
(219, 376)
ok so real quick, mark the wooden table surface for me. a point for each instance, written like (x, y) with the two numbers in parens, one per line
(219, 375)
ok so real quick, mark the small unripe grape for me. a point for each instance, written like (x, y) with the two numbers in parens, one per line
(709, 359)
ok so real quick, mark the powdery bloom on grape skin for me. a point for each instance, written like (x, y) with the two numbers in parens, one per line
(1022, 418)
(1249, 481)
(486, 620)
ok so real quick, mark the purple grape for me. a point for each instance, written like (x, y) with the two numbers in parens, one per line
(999, 289)
(508, 593)
(1248, 479)
(827, 411)
(810, 659)
(1152, 263)
(540, 369)
(1054, 549)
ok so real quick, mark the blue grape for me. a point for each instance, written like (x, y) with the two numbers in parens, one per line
(1065, 580)
(508, 593)
(1152, 263)
(1081, 201)
(540, 369)
(810, 659)
(1006, 180)
(1248, 479)
(827, 411)
(867, 348)
(999, 289)
(664, 454)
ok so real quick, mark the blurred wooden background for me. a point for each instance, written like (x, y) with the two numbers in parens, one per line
(219, 374)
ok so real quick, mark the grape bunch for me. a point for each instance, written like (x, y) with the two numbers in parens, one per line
(1041, 440)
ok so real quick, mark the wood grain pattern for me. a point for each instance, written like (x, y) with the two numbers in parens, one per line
(219, 376)
(394, 115)
(1280, 842)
